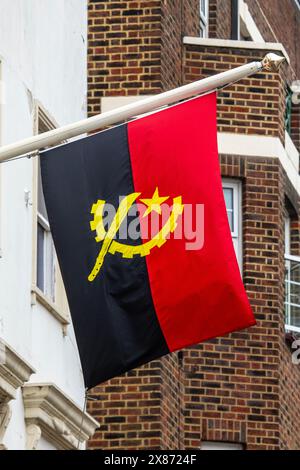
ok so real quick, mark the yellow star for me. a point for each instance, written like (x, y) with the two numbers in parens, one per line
(154, 204)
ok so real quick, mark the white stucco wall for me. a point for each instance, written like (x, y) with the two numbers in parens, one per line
(43, 57)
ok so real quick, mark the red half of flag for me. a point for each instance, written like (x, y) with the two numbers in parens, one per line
(198, 294)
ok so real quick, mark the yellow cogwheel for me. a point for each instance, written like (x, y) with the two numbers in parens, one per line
(97, 222)
(109, 245)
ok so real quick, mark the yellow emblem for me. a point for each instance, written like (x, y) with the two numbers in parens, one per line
(112, 246)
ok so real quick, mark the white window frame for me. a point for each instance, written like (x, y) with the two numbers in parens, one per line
(48, 254)
(236, 233)
(53, 297)
(204, 17)
(289, 259)
(43, 124)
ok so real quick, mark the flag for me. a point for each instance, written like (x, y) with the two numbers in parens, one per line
(124, 205)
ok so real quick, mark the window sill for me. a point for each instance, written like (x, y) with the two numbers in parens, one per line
(38, 296)
(233, 44)
(295, 330)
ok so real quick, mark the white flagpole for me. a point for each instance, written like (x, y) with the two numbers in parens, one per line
(54, 137)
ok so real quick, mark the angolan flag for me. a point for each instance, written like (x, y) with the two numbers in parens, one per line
(124, 206)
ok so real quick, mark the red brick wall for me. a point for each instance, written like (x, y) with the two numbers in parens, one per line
(220, 19)
(128, 410)
(171, 38)
(191, 18)
(289, 373)
(255, 105)
(295, 125)
(135, 47)
(272, 18)
(289, 401)
(179, 18)
(124, 49)
(279, 21)
(229, 389)
(241, 388)
(172, 402)
(235, 392)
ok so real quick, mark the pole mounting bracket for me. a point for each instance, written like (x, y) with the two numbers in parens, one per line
(272, 62)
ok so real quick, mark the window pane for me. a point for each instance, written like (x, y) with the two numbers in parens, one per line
(45, 249)
(230, 220)
(295, 315)
(295, 273)
(228, 195)
(41, 200)
(49, 267)
(40, 258)
(232, 197)
(292, 293)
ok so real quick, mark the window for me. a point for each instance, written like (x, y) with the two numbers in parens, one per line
(287, 235)
(212, 445)
(45, 253)
(45, 269)
(232, 195)
(47, 284)
(292, 283)
(288, 111)
(204, 13)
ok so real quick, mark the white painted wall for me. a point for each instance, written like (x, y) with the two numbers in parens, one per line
(45, 445)
(43, 57)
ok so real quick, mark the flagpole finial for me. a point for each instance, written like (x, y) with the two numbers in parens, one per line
(272, 62)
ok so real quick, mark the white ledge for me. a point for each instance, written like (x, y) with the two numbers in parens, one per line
(14, 372)
(231, 44)
(262, 146)
(61, 421)
(38, 296)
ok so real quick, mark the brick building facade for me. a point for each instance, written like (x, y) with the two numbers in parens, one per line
(240, 391)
